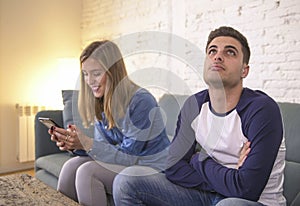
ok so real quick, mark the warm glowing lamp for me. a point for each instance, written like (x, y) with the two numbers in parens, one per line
(68, 70)
(66, 76)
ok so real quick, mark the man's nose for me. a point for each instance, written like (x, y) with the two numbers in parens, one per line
(219, 57)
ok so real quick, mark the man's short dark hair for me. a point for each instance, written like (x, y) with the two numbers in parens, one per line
(229, 31)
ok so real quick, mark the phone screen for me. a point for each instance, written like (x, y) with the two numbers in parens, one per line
(48, 122)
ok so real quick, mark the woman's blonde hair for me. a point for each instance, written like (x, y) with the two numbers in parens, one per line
(119, 88)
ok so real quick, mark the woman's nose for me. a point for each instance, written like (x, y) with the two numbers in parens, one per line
(90, 80)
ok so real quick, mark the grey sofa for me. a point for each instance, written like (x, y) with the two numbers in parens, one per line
(49, 159)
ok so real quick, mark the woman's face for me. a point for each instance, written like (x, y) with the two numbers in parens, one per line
(94, 76)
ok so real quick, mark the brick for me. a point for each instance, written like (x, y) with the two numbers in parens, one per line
(272, 30)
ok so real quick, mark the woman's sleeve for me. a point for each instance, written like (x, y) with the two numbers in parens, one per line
(142, 125)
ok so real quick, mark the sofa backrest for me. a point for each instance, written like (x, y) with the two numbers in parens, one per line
(171, 105)
(291, 119)
(43, 144)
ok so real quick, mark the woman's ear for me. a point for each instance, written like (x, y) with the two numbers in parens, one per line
(245, 71)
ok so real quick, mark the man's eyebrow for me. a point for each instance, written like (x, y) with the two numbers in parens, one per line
(212, 46)
(231, 47)
(226, 47)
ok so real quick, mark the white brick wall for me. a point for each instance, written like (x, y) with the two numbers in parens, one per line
(272, 29)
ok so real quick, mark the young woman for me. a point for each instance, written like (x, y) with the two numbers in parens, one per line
(129, 129)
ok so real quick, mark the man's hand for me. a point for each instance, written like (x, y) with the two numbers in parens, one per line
(244, 153)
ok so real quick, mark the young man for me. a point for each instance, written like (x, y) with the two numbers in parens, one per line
(240, 132)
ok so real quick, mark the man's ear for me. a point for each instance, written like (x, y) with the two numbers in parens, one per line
(245, 71)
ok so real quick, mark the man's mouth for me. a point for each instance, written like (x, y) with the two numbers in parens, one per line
(216, 67)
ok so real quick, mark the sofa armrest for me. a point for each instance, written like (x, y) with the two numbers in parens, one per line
(43, 144)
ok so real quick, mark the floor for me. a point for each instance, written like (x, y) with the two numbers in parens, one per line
(30, 172)
(22, 189)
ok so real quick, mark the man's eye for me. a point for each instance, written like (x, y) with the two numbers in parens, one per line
(231, 53)
(212, 51)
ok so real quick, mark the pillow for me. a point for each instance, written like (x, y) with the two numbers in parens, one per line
(70, 102)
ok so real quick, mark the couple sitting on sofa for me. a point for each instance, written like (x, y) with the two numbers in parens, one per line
(241, 156)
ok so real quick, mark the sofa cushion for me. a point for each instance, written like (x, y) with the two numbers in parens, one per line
(52, 163)
(296, 201)
(290, 115)
(47, 178)
(291, 182)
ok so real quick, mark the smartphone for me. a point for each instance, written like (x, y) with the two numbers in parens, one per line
(48, 122)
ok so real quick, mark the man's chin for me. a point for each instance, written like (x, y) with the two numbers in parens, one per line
(215, 83)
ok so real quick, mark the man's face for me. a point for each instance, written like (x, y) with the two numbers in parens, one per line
(224, 65)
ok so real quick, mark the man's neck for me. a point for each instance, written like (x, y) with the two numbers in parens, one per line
(224, 100)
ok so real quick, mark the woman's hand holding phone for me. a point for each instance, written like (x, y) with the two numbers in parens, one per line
(51, 124)
(53, 131)
(70, 139)
(64, 138)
